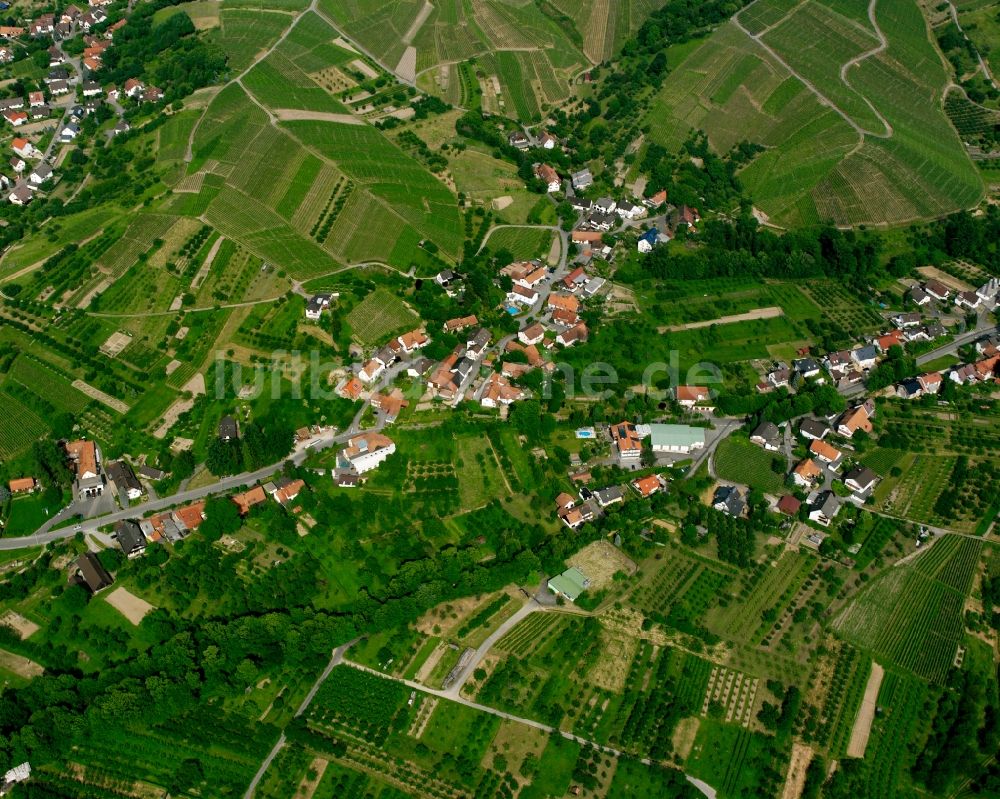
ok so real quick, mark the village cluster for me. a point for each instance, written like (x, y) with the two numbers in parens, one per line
(70, 93)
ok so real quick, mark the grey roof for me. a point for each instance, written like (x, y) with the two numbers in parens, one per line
(123, 476)
(729, 500)
(866, 353)
(861, 475)
(767, 431)
(803, 365)
(151, 472)
(130, 537)
(610, 494)
(227, 428)
(479, 339)
(827, 504)
(814, 428)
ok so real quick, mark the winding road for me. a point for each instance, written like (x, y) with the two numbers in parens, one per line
(824, 100)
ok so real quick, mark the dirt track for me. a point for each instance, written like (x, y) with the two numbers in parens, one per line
(866, 714)
(293, 114)
(770, 312)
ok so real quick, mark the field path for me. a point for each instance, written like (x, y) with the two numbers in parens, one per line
(295, 114)
(882, 46)
(418, 23)
(823, 99)
(866, 713)
(770, 312)
(702, 786)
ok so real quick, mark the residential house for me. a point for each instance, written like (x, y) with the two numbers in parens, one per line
(131, 538)
(573, 335)
(11, 32)
(367, 451)
(410, 342)
(563, 302)
(548, 176)
(909, 389)
(86, 458)
(531, 335)
(151, 472)
(348, 480)
(519, 140)
(575, 279)
(247, 499)
(866, 357)
(91, 88)
(805, 367)
(823, 507)
(120, 127)
(673, 439)
(857, 418)
(647, 486)
(15, 103)
(476, 345)
(656, 200)
(729, 500)
(990, 290)
(689, 396)
(152, 95)
(576, 516)
(905, 320)
(547, 141)
(860, 479)
(626, 442)
(316, 305)
(930, 383)
(789, 505)
(827, 453)
(780, 377)
(580, 204)
(839, 363)
(648, 240)
(126, 483)
(419, 367)
(564, 318)
(21, 485)
(18, 164)
(582, 179)
(69, 133)
(391, 404)
(499, 391)
(564, 502)
(59, 87)
(970, 300)
(133, 88)
(918, 296)
(767, 435)
(963, 374)
(89, 572)
(937, 290)
(586, 237)
(629, 210)
(609, 496)
(352, 389)
(371, 370)
(228, 429)
(15, 118)
(6, 55)
(806, 472)
(41, 173)
(519, 295)
(889, 340)
(287, 491)
(42, 26)
(21, 195)
(459, 324)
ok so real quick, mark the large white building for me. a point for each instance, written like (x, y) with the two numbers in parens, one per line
(367, 451)
(676, 438)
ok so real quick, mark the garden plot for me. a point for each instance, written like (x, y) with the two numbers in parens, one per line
(25, 628)
(20, 665)
(601, 561)
(129, 605)
(735, 691)
(116, 343)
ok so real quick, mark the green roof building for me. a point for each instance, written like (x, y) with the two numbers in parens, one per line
(676, 437)
(570, 584)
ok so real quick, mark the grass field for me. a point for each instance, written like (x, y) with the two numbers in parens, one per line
(921, 633)
(739, 460)
(380, 314)
(818, 166)
(524, 244)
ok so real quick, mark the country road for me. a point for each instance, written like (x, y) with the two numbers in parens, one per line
(335, 660)
(702, 786)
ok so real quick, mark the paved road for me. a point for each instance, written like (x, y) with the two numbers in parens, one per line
(335, 660)
(706, 789)
(455, 691)
(960, 341)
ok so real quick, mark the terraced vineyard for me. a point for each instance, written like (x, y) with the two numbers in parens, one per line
(872, 148)
(921, 632)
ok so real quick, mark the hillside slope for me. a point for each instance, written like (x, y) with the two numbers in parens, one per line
(845, 98)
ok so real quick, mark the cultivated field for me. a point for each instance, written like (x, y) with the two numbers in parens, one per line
(829, 156)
